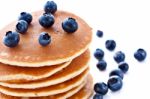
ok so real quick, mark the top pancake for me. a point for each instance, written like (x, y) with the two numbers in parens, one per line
(64, 46)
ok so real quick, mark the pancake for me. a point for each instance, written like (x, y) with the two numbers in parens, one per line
(24, 74)
(76, 67)
(64, 47)
(86, 91)
(46, 91)
(63, 95)
(79, 92)
(58, 96)
(75, 93)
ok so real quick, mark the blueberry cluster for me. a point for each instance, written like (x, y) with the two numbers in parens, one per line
(115, 81)
(69, 25)
(12, 38)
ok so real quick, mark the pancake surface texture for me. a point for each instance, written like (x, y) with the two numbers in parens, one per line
(86, 91)
(64, 47)
(75, 68)
(25, 74)
(46, 91)
(80, 92)
(59, 70)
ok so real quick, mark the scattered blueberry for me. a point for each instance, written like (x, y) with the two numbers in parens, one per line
(116, 72)
(119, 56)
(98, 96)
(101, 65)
(99, 54)
(110, 45)
(101, 88)
(124, 67)
(22, 26)
(11, 39)
(140, 54)
(44, 39)
(26, 17)
(46, 20)
(70, 25)
(50, 7)
(99, 33)
(115, 83)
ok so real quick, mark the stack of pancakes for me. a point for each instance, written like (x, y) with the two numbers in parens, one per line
(57, 71)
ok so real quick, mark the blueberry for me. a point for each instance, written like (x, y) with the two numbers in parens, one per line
(99, 54)
(116, 72)
(99, 33)
(101, 88)
(115, 83)
(26, 17)
(70, 25)
(50, 7)
(119, 56)
(98, 96)
(44, 39)
(124, 67)
(140, 55)
(22, 26)
(46, 20)
(110, 45)
(101, 65)
(11, 39)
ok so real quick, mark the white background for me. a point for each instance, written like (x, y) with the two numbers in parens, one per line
(126, 21)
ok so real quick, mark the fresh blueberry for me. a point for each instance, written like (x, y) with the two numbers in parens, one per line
(70, 25)
(99, 54)
(99, 33)
(26, 17)
(44, 39)
(110, 45)
(140, 54)
(98, 96)
(124, 67)
(101, 88)
(119, 56)
(50, 7)
(11, 39)
(116, 72)
(46, 20)
(22, 26)
(101, 65)
(115, 83)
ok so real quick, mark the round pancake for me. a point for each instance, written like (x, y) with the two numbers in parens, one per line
(76, 67)
(46, 91)
(64, 47)
(15, 74)
(75, 93)
(86, 91)
(58, 96)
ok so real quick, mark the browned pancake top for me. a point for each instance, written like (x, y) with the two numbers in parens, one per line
(63, 47)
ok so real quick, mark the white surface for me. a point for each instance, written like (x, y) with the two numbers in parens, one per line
(126, 21)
